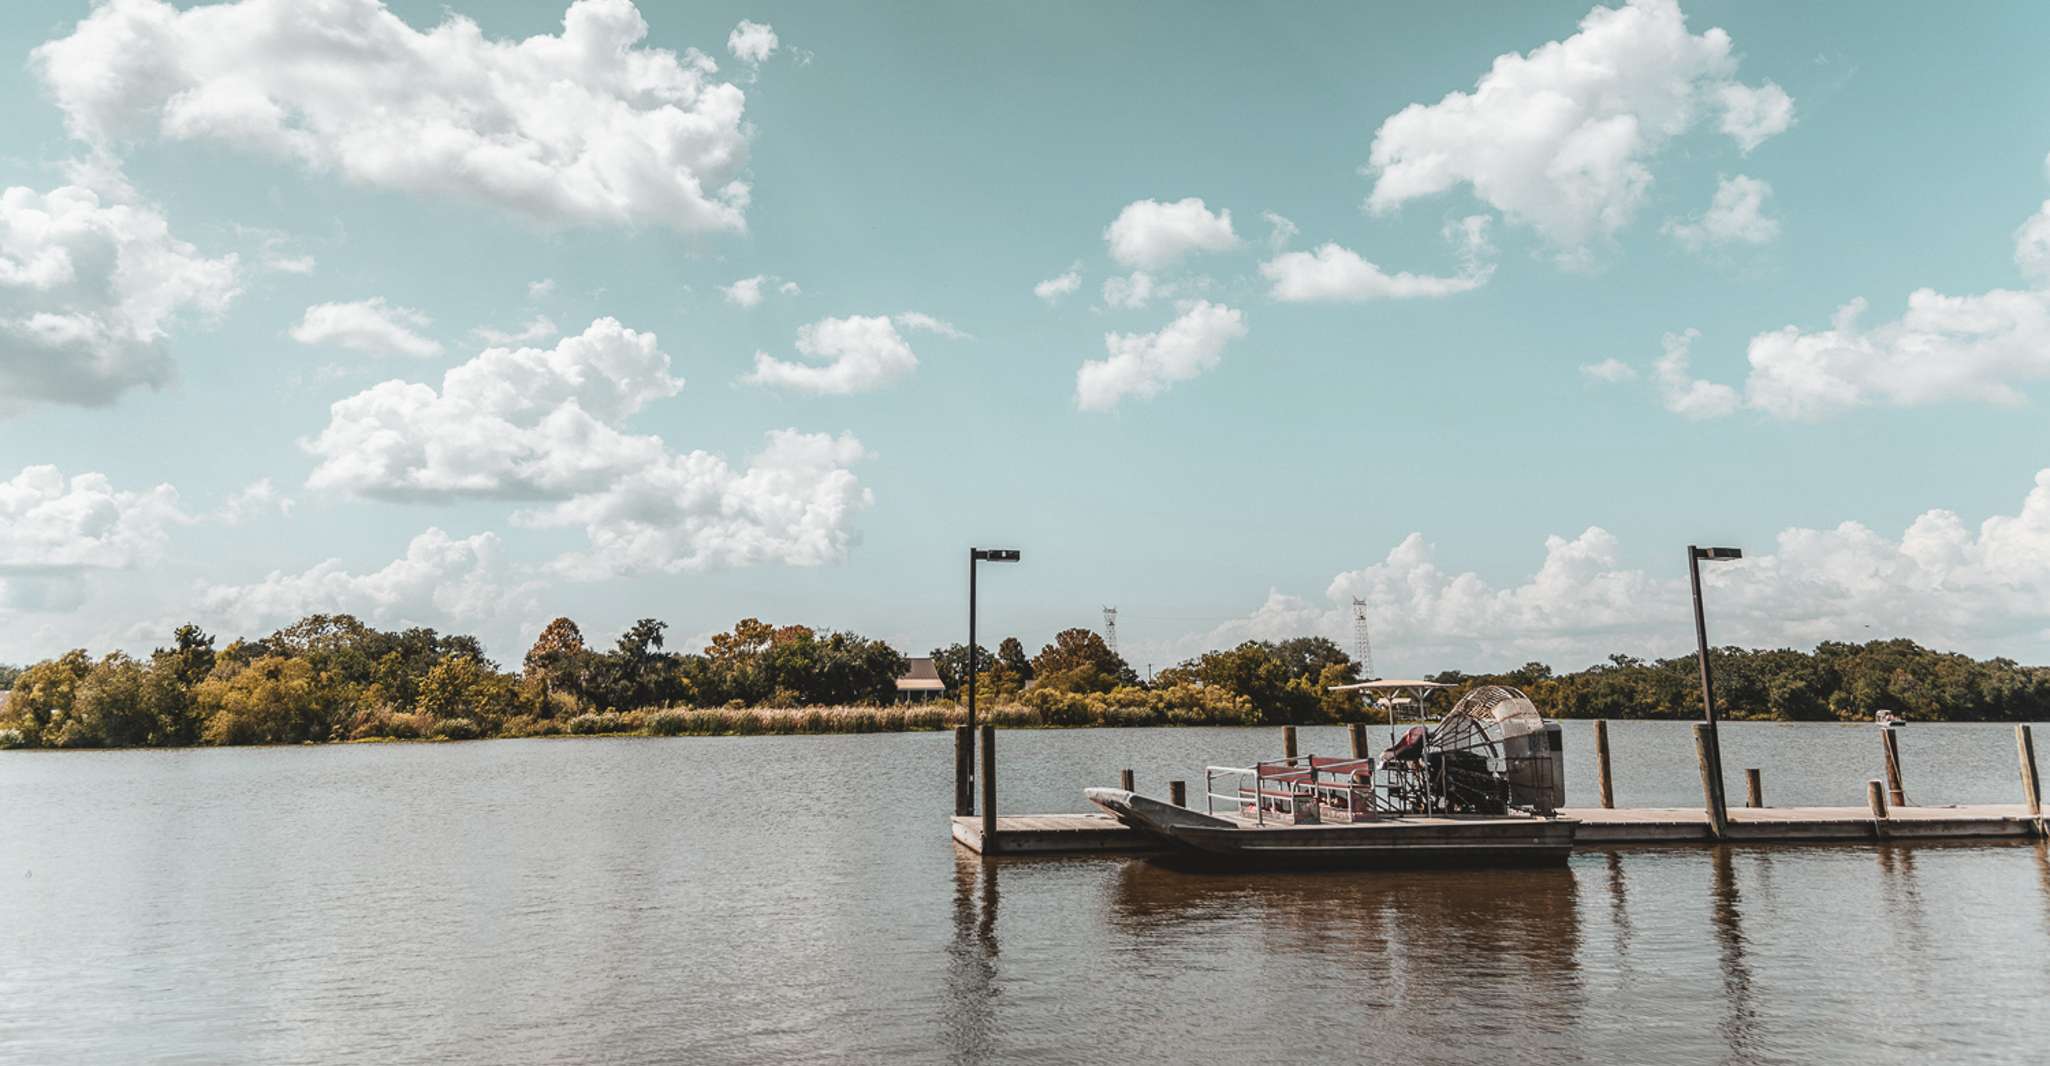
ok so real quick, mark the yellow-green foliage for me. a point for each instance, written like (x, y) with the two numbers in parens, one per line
(273, 700)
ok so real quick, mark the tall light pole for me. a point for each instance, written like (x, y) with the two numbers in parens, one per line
(964, 768)
(1721, 812)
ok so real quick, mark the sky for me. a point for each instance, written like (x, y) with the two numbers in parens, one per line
(1225, 315)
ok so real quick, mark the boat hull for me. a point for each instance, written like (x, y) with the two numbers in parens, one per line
(1397, 843)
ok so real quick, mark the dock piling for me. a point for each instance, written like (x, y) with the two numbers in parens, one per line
(1357, 733)
(1875, 798)
(964, 771)
(1125, 781)
(1754, 789)
(2032, 795)
(1178, 793)
(1890, 740)
(989, 790)
(1704, 754)
(1601, 763)
(1288, 743)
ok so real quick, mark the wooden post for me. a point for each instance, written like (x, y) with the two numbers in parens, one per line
(1178, 793)
(1875, 798)
(2025, 747)
(1890, 742)
(1288, 743)
(1704, 754)
(964, 771)
(1601, 763)
(1125, 781)
(1357, 732)
(989, 790)
(1754, 790)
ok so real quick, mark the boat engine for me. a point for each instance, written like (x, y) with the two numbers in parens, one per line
(1493, 751)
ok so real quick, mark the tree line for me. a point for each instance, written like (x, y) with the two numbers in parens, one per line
(333, 678)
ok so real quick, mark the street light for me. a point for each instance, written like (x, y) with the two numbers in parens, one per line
(1695, 556)
(964, 778)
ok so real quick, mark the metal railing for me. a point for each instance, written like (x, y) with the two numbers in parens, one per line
(1284, 785)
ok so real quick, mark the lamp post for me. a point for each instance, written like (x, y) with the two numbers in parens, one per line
(1719, 809)
(964, 792)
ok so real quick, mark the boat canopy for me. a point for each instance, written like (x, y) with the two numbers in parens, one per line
(1394, 686)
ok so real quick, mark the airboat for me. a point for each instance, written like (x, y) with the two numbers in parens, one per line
(1481, 786)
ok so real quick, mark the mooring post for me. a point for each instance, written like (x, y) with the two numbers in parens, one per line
(1357, 732)
(1125, 781)
(1890, 741)
(1288, 743)
(1875, 798)
(1754, 790)
(1704, 754)
(964, 771)
(989, 790)
(2025, 747)
(1601, 763)
(1178, 793)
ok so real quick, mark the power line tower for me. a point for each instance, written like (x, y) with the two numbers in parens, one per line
(1110, 629)
(1362, 641)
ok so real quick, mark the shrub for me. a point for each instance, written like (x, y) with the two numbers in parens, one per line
(455, 729)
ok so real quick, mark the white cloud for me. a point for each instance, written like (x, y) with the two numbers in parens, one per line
(1280, 230)
(752, 42)
(1052, 289)
(439, 577)
(1128, 293)
(794, 504)
(91, 283)
(509, 423)
(1150, 235)
(1940, 582)
(1609, 370)
(1753, 116)
(50, 524)
(1560, 139)
(255, 500)
(372, 326)
(858, 353)
(1736, 215)
(1680, 391)
(1335, 273)
(1143, 365)
(538, 328)
(541, 290)
(1978, 348)
(748, 292)
(587, 126)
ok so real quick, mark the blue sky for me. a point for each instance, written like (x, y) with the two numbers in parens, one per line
(1284, 421)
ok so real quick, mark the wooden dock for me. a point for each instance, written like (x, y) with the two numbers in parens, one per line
(1049, 834)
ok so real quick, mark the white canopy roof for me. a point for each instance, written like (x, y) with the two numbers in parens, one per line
(1388, 684)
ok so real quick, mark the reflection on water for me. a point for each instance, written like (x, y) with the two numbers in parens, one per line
(541, 901)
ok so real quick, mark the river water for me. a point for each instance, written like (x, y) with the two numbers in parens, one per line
(797, 899)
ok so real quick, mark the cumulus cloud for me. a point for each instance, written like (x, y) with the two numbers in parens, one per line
(371, 326)
(1609, 370)
(91, 284)
(1129, 292)
(794, 503)
(858, 353)
(1978, 348)
(1336, 273)
(1736, 215)
(547, 426)
(1053, 289)
(538, 328)
(752, 42)
(1143, 365)
(588, 126)
(1682, 392)
(1150, 235)
(1753, 116)
(1984, 590)
(748, 292)
(51, 524)
(1561, 139)
(439, 577)
(258, 499)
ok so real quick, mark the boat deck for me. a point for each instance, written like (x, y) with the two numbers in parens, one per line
(1102, 834)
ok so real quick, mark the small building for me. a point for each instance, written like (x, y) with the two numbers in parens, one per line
(920, 681)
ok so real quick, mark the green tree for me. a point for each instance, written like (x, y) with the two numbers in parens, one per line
(1079, 661)
(43, 696)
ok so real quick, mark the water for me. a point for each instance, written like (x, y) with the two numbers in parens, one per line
(797, 900)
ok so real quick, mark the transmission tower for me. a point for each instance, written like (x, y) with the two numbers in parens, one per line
(1110, 629)
(1362, 642)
